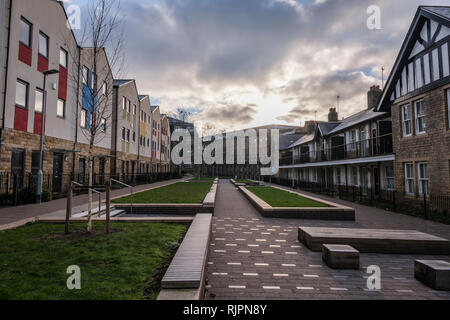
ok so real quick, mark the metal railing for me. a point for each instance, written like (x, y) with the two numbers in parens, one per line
(378, 146)
(95, 191)
(131, 193)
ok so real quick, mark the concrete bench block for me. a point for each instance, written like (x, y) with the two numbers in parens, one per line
(338, 256)
(433, 273)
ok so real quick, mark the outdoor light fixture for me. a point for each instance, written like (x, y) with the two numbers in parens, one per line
(40, 173)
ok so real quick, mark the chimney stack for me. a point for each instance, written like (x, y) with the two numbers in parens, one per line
(373, 96)
(310, 126)
(333, 115)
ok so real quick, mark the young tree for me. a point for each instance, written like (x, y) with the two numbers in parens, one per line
(101, 58)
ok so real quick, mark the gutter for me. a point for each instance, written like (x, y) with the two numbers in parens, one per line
(6, 74)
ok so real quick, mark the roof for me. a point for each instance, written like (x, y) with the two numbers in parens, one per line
(287, 139)
(305, 139)
(154, 107)
(121, 82)
(440, 14)
(143, 96)
(442, 11)
(357, 118)
(326, 127)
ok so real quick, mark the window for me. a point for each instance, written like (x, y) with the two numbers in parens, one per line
(129, 106)
(448, 107)
(355, 176)
(61, 108)
(128, 135)
(406, 120)
(134, 136)
(409, 178)
(420, 117)
(63, 58)
(43, 45)
(22, 94)
(124, 103)
(422, 178)
(39, 101)
(390, 178)
(85, 75)
(25, 32)
(123, 134)
(83, 118)
(104, 88)
(103, 124)
(353, 140)
(134, 109)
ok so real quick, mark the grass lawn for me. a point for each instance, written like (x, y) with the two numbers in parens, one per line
(202, 179)
(280, 198)
(121, 265)
(180, 192)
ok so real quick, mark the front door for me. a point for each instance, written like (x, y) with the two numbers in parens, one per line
(376, 178)
(57, 171)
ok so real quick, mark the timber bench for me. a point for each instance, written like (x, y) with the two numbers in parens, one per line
(433, 273)
(375, 240)
(340, 256)
(187, 269)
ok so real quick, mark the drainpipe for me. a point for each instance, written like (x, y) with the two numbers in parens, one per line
(6, 74)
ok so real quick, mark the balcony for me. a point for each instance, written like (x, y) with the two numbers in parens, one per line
(378, 146)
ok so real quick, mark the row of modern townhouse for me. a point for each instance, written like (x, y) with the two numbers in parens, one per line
(132, 137)
(401, 141)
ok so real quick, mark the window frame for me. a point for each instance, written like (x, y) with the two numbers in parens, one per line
(66, 55)
(47, 41)
(63, 116)
(27, 94)
(404, 121)
(30, 33)
(85, 77)
(389, 178)
(421, 179)
(35, 100)
(104, 88)
(448, 107)
(417, 118)
(103, 124)
(409, 179)
(83, 116)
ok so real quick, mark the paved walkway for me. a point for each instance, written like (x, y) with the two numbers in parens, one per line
(252, 257)
(57, 207)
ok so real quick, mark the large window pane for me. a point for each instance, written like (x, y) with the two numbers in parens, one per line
(25, 32)
(43, 45)
(60, 108)
(39, 101)
(63, 57)
(22, 94)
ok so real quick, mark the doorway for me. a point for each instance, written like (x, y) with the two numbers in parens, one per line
(57, 171)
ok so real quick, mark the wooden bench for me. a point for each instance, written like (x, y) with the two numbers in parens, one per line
(433, 273)
(375, 240)
(187, 269)
(340, 256)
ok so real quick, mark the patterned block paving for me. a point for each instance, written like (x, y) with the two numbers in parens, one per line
(260, 258)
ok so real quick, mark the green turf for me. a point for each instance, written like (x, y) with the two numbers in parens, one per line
(202, 179)
(280, 198)
(181, 192)
(120, 265)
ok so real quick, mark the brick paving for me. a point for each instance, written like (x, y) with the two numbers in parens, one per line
(252, 257)
(57, 207)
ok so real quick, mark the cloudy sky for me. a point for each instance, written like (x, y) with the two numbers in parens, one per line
(241, 63)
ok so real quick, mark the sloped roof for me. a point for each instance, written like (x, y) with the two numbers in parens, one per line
(143, 96)
(121, 82)
(357, 118)
(305, 139)
(442, 11)
(438, 13)
(154, 107)
(286, 140)
(326, 127)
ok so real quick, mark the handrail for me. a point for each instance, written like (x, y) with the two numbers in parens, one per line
(131, 193)
(95, 191)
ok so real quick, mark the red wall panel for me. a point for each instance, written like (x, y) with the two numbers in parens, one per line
(62, 83)
(42, 64)
(25, 54)
(37, 123)
(21, 119)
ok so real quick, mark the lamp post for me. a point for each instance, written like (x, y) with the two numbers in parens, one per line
(44, 106)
